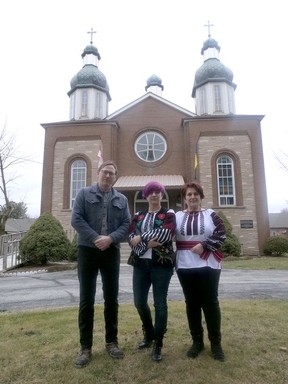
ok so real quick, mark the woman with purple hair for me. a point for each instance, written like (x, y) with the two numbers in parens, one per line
(152, 257)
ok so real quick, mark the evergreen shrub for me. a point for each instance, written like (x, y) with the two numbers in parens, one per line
(45, 241)
(276, 246)
(73, 250)
(231, 246)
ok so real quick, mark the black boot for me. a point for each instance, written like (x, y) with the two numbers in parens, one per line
(217, 351)
(157, 346)
(197, 346)
(148, 338)
(213, 321)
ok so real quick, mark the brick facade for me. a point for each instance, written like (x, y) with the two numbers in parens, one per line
(239, 136)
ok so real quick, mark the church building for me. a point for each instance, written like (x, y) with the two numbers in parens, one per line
(154, 139)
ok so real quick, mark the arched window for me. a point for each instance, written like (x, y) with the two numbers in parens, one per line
(226, 181)
(78, 178)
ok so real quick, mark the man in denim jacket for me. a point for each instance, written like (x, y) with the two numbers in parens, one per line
(101, 218)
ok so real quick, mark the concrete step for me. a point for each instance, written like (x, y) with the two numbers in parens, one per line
(125, 252)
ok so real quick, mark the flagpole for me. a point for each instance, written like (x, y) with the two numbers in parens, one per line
(195, 164)
(100, 157)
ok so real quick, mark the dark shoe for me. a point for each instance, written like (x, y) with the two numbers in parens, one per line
(148, 337)
(114, 351)
(145, 343)
(83, 358)
(217, 351)
(156, 352)
(196, 348)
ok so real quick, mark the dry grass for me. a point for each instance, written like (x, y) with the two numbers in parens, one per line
(263, 263)
(39, 348)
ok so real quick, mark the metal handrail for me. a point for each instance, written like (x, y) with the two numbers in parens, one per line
(9, 250)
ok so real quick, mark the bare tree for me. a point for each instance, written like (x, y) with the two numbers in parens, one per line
(282, 159)
(9, 158)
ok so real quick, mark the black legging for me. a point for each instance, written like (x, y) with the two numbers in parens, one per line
(200, 288)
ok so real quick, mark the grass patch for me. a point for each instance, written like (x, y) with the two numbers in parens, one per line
(39, 347)
(260, 263)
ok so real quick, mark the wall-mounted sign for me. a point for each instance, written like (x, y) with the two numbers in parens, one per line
(246, 223)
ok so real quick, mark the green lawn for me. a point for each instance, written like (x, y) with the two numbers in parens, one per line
(280, 263)
(39, 347)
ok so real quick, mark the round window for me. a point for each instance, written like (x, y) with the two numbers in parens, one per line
(150, 146)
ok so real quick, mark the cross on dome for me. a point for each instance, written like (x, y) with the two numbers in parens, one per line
(208, 26)
(91, 35)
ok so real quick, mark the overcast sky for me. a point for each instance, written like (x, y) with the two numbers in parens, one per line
(41, 43)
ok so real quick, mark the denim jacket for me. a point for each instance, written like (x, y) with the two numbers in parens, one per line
(87, 220)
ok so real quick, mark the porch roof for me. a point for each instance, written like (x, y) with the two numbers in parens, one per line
(138, 182)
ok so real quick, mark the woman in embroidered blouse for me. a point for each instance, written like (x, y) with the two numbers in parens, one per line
(150, 237)
(199, 235)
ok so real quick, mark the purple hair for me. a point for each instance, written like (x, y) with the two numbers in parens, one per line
(152, 186)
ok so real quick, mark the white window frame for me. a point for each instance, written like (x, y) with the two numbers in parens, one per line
(150, 146)
(78, 178)
(226, 180)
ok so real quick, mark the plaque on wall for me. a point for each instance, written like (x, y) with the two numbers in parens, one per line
(246, 223)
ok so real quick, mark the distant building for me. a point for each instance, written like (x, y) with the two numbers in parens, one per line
(18, 225)
(152, 138)
(278, 224)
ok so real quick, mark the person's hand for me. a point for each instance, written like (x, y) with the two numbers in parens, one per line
(136, 240)
(103, 242)
(153, 243)
(198, 248)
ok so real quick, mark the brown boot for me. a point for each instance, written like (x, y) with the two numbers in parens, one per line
(114, 351)
(83, 358)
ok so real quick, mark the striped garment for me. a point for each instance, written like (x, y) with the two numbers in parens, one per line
(152, 225)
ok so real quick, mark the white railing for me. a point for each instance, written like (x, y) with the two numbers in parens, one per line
(9, 250)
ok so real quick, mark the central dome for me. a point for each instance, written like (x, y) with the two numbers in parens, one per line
(212, 69)
(89, 77)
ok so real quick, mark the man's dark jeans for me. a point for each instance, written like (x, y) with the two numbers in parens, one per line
(145, 275)
(90, 262)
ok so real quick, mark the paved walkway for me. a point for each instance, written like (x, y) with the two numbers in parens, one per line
(61, 289)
